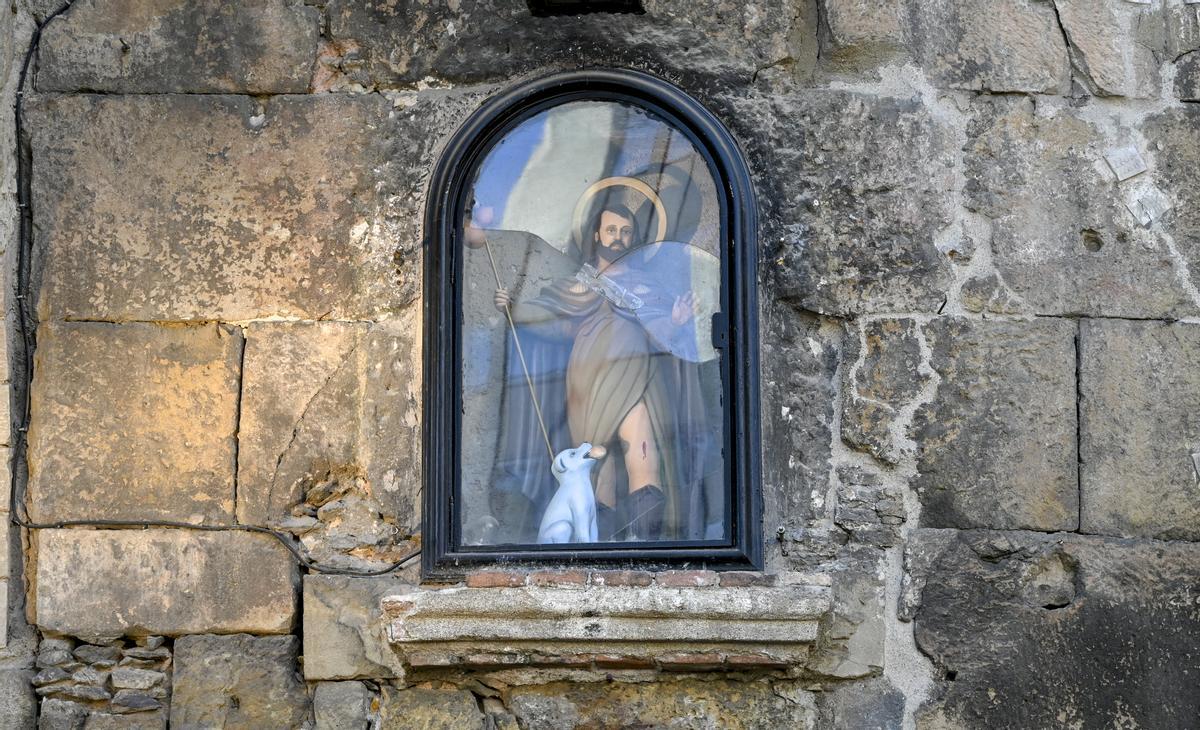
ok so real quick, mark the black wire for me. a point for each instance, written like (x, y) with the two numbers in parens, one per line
(28, 344)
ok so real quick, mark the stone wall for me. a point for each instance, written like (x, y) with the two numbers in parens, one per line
(978, 323)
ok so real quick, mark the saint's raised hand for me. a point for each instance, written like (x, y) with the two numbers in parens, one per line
(684, 309)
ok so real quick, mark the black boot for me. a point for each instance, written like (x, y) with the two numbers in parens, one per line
(645, 511)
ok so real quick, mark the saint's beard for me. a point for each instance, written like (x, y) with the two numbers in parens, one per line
(606, 254)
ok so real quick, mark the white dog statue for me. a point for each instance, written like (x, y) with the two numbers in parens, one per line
(571, 514)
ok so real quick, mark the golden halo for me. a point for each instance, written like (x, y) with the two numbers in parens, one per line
(629, 182)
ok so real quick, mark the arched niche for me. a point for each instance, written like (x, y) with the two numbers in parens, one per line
(590, 278)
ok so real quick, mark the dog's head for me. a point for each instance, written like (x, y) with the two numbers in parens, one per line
(577, 460)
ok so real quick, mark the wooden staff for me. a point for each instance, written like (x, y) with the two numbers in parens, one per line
(537, 408)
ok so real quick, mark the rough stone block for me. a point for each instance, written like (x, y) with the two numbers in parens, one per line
(385, 45)
(1174, 135)
(798, 363)
(882, 375)
(21, 635)
(996, 446)
(1034, 630)
(1114, 47)
(18, 704)
(988, 293)
(1187, 77)
(328, 401)
(95, 583)
(847, 154)
(1183, 28)
(863, 33)
(341, 706)
(855, 631)
(873, 703)
(132, 678)
(685, 704)
(993, 45)
(868, 511)
(178, 46)
(344, 628)
(134, 421)
(59, 715)
(1062, 240)
(287, 367)
(429, 709)
(237, 681)
(1140, 439)
(154, 720)
(14, 33)
(182, 207)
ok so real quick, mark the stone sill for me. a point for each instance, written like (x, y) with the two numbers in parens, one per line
(673, 628)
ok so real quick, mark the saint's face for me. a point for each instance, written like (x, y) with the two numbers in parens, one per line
(615, 235)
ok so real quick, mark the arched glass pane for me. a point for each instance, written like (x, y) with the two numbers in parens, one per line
(591, 278)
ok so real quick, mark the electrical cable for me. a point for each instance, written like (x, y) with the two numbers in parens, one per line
(28, 344)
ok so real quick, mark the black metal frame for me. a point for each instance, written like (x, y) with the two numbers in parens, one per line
(442, 555)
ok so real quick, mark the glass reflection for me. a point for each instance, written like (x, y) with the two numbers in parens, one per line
(591, 388)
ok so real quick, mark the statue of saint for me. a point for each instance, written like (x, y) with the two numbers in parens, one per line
(605, 348)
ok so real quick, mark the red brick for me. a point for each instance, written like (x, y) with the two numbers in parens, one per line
(638, 578)
(689, 578)
(393, 607)
(690, 662)
(494, 660)
(562, 660)
(614, 661)
(741, 579)
(754, 660)
(558, 577)
(495, 579)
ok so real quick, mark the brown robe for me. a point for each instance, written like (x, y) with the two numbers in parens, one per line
(613, 365)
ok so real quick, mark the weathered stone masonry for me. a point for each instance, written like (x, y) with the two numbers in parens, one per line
(980, 323)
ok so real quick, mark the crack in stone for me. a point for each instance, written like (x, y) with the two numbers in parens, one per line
(822, 28)
(773, 64)
(1079, 423)
(304, 415)
(1076, 68)
(237, 417)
